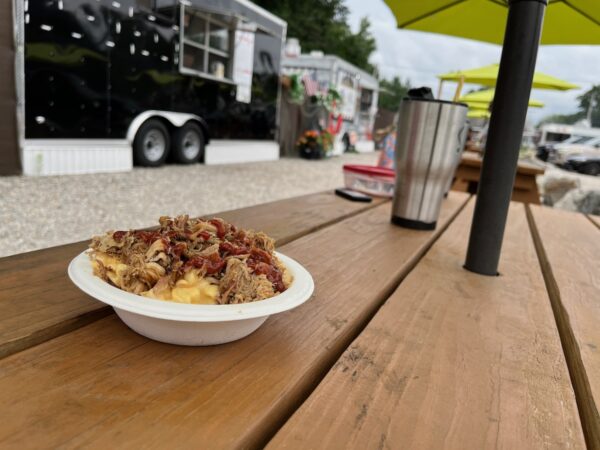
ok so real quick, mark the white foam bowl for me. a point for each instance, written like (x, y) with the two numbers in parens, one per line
(185, 324)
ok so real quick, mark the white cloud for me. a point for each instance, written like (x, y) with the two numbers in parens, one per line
(421, 56)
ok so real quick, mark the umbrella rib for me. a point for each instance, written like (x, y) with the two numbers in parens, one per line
(587, 16)
(430, 13)
(499, 2)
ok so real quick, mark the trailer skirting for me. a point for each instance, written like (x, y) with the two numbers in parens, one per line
(80, 156)
(76, 156)
(223, 151)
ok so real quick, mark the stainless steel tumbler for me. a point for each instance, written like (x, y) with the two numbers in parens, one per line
(430, 138)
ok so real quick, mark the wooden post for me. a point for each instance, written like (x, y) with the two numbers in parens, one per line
(10, 163)
(459, 87)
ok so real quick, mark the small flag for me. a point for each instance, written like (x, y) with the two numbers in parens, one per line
(310, 85)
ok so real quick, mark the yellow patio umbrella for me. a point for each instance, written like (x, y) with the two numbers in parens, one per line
(485, 97)
(488, 75)
(519, 26)
(573, 22)
(478, 114)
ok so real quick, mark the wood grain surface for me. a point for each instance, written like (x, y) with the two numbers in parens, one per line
(525, 188)
(595, 220)
(522, 181)
(523, 167)
(453, 360)
(107, 387)
(569, 248)
(39, 302)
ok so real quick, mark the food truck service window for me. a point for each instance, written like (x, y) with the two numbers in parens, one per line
(207, 44)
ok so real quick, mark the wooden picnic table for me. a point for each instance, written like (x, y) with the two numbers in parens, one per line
(525, 189)
(400, 347)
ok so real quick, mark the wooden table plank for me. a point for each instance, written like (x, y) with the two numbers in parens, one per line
(569, 248)
(39, 302)
(107, 386)
(452, 360)
(595, 220)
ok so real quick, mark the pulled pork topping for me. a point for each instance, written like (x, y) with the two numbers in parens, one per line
(191, 261)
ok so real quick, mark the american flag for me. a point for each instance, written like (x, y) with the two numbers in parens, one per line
(310, 85)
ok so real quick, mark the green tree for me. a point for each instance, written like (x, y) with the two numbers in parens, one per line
(567, 119)
(391, 92)
(584, 103)
(582, 113)
(323, 25)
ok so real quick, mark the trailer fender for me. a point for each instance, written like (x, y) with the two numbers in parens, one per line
(174, 118)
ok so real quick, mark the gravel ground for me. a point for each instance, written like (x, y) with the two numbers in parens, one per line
(39, 212)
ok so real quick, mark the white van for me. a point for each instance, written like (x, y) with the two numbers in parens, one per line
(554, 133)
(579, 135)
(582, 146)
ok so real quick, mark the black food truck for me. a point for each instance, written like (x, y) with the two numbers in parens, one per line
(105, 84)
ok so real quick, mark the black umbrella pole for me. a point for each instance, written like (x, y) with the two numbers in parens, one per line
(509, 110)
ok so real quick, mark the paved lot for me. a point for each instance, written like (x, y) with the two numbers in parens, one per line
(38, 212)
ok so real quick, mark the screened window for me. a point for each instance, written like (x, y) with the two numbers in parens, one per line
(366, 99)
(207, 40)
(556, 137)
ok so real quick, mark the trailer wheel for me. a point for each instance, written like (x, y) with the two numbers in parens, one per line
(188, 144)
(151, 144)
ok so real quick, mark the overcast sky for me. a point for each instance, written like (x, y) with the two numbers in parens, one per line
(421, 56)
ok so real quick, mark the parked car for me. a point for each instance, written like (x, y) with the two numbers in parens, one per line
(559, 154)
(544, 152)
(588, 163)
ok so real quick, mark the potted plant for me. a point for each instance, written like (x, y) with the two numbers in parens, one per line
(315, 144)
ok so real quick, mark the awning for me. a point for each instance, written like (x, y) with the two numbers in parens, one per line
(244, 9)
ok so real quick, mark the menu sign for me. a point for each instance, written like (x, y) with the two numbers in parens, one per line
(243, 61)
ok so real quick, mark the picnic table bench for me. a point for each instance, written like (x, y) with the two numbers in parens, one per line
(400, 347)
(525, 189)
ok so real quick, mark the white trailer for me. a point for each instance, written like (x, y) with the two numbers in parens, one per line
(552, 133)
(359, 91)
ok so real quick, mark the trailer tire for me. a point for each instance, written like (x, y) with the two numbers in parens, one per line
(188, 144)
(151, 144)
